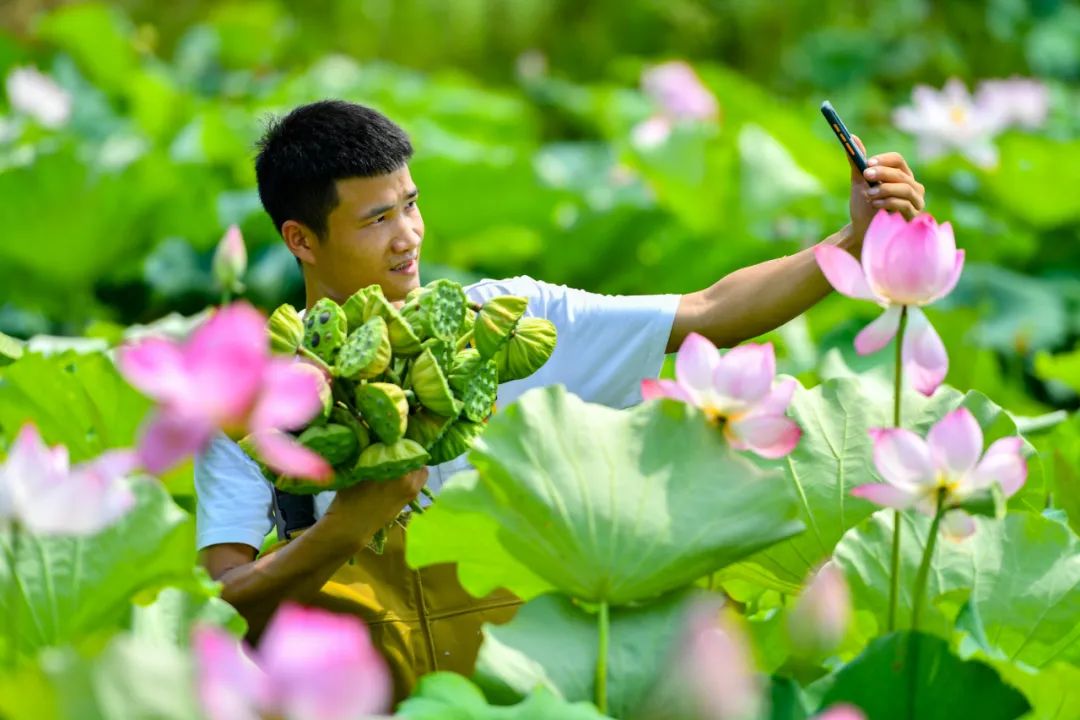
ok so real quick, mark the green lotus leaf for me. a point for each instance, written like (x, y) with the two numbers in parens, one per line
(385, 410)
(604, 504)
(286, 329)
(495, 321)
(834, 456)
(1020, 576)
(551, 643)
(912, 675)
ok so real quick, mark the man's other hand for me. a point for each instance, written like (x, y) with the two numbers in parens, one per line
(897, 190)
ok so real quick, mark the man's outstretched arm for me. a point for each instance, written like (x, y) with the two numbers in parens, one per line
(756, 299)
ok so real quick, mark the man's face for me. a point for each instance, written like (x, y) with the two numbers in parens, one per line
(373, 236)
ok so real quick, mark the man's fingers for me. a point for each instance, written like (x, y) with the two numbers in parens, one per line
(898, 191)
(855, 174)
(904, 207)
(892, 159)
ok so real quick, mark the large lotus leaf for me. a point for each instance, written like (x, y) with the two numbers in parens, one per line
(835, 455)
(175, 611)
(132, 678)
(80, 401)
(864, 553)
(1052, 691)
(552, 643)
(618, 505)
(912, 675)
(70, 588)
(449, 696)
(1021, 577)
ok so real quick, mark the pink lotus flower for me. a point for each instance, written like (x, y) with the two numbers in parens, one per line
(1016, 101)
(818, 622)
(311, 665)
(903, 264)
(949, 120)
(224, 378)
(949, 460)
(39, 492)
(737, 391)
(679, 92)
(230, 260)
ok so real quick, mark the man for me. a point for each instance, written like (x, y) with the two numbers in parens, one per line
(334, 178)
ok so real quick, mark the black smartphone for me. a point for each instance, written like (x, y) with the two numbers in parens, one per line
(844, 137)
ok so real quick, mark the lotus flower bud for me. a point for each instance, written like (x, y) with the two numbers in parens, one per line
(230, 261)
(529, 347)
(822, 613)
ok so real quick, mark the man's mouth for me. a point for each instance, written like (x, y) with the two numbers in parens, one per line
(407, 267)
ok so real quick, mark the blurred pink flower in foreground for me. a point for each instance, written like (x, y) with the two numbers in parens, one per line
(230, 261)
(1016, 101)
(40, 493)
(818, 622)
(737, 391)
(950, 119)
(224, 378)
(678, 94)
(841, 712)
(35, 94)
(311, 665)
(903, 264)
(950, 459)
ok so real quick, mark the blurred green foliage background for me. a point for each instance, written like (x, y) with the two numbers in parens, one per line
(523, 114)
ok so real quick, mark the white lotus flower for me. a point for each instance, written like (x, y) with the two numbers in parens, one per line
(949, 120)
(35, 94)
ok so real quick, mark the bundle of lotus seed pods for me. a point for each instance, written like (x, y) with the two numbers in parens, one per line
(406, 387)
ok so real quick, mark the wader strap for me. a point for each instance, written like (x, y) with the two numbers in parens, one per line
(292, 513)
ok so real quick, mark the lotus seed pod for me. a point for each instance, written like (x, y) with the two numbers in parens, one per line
(357, 307)
(425, 427)
(286, 329)
(427, 380)
(337, 444)
(385, 410)
(443, 351)
(443, 309)
(496, 321)
(366, 352)
(465, 333)
(529, 348)
(457, 439)
(476, 382)
(403, 339)
(415, 294)
(381, 461)
(342, 415)
(325, 329)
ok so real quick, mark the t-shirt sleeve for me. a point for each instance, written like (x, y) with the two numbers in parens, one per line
(607, 344)
(233, 500)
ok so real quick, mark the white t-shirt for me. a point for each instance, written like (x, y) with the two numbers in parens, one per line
(606, 345)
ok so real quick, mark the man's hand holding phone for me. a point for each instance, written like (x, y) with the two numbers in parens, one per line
(887, 182)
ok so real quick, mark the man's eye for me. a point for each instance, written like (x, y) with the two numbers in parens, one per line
(378, 220)
(410, 205)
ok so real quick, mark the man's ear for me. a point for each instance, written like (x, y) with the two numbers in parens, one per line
(300, 240)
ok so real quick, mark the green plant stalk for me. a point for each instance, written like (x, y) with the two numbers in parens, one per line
(13, 599)
(604, 625)
(898, 380)
(924, 566)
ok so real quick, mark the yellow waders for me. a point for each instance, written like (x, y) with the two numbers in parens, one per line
(423, 620)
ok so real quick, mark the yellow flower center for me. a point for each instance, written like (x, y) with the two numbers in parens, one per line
(958, 114)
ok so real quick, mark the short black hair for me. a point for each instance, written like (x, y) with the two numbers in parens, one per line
(302, 155)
